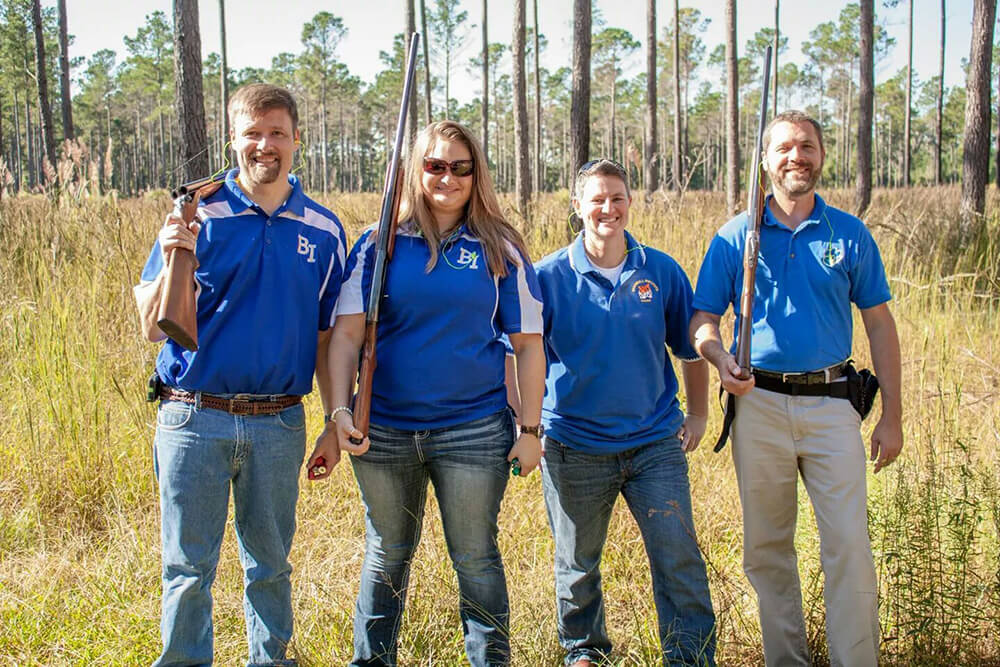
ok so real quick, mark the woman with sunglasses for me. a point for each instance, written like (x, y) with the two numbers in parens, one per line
(459, 280)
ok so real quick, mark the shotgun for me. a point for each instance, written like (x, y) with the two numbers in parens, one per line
(755, 213)
(177, 314)
(751, 250)
(385, 237)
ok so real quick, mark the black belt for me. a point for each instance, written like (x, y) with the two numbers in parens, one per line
(768, 383)
(824, 376)
(814, 383)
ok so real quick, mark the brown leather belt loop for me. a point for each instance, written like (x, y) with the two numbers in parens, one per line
(234, 406)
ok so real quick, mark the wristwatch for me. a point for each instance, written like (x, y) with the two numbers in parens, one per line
(537, 431)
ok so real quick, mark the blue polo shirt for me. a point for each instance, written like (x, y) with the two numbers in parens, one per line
(806, 281)
(265, 286)
(440, 359)
(610, 384)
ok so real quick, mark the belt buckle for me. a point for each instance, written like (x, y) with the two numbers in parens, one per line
(239, 406)
(791, 378)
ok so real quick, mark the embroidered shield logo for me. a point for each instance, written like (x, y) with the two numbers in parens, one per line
(644, 290)
(833, 253)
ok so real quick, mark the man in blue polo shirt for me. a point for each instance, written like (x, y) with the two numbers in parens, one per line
(614, 424)
(270, 267)
(814, 262)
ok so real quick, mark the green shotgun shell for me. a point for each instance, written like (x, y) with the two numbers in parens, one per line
(515, 467)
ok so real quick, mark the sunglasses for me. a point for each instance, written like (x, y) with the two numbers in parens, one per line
(460, 168)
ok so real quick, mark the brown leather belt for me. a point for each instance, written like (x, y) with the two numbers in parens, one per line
(234, 406)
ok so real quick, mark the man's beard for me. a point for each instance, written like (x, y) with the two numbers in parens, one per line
(790, 184)
(263, 174)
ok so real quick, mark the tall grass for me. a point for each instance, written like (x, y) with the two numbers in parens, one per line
(79, 562)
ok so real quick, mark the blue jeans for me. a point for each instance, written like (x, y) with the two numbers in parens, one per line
(199, 454)
(468, 466)
(580, 492)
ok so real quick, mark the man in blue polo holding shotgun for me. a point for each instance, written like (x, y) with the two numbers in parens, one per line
(791, 415)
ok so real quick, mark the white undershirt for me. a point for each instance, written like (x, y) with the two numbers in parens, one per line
(612, 274)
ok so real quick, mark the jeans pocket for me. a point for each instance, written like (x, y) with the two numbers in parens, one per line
(293, 418)
(173, 415)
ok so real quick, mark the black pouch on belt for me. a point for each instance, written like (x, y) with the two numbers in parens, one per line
(862, 386)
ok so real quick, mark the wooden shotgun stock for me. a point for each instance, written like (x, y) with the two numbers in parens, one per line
(755, 213)
(385, 239)
(178, 313)
(366, 374)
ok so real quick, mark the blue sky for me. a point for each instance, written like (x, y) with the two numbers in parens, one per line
(259, 29)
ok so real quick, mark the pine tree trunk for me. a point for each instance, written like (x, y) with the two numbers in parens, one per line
(611, 116)
(940, 108)
(732, 112)
(223, 82)
(777, 36)
(866, 93)
(580, 96)
(18, 170)
(650, 172)
(522, 184)
(976, 149)
(411, 28)
(538, 111)
(427, 62)
(484, 111)
(909, 104)
(678, 177)
(189, 99)
(29, 142)
(42, 82)
(64, 90)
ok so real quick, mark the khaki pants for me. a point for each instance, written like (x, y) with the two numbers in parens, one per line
(775, 438)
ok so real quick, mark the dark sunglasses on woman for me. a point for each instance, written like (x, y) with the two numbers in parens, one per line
(435, 166)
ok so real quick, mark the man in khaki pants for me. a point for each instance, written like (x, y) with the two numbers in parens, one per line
(791, 416)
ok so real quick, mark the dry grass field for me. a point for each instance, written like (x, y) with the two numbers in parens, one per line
(79, 553)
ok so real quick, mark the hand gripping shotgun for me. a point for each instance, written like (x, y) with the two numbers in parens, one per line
(177, 314)
(751, 250)
(384, 240)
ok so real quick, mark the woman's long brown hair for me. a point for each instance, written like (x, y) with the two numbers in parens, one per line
(483, 215)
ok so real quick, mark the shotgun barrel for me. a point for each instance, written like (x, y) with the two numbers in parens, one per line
(755, 213)
(385, 238)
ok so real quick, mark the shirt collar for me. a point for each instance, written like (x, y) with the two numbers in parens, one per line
(635, 255)
(239, 201)
(819, 208)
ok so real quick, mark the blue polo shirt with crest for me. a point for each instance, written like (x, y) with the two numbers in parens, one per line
(610, 384)
(265, 286)
(806, 281)
(440, 357)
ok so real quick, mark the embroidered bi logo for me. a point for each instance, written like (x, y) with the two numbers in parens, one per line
(308, 249)
(468, 259)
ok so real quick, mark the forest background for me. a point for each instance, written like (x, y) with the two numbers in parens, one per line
(91, 143)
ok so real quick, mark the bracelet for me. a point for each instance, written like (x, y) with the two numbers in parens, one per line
(333, 415)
